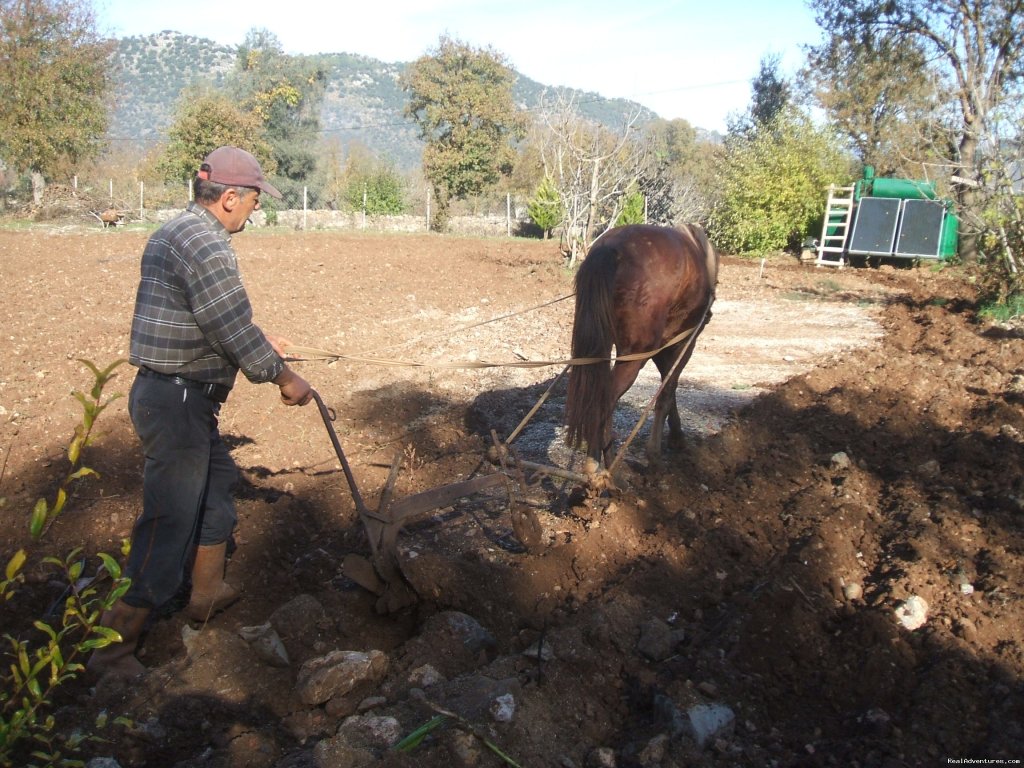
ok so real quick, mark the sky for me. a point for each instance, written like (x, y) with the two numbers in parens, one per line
(689, 59)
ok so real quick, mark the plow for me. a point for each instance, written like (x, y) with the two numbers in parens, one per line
(381, 573)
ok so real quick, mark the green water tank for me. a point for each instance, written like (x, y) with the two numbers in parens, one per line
(903, 189)
(950, 235)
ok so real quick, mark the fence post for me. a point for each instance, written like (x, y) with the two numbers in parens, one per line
(305, 198)
(428, 209)
(364, 205)
(142, 199)
(111, 190)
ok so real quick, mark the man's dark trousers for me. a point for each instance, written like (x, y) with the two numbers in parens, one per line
(188, 482)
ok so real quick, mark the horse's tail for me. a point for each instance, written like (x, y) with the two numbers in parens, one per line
(710, 254)
(588, 403)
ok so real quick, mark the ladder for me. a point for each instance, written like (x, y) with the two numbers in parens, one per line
(836, 227)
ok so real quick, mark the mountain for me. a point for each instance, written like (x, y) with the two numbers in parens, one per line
(363, 100)
(151, 72)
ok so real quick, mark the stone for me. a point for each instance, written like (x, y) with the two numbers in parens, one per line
(464, 628)
(503, 708)
(912, 613)
(266, 644)
(372, 731)
(338, 674)
(425, 676)
(474, 698)
(466, 749)
(297, 617)
(601, 757)
(453, 643)
(658, 640)
(336, 751)
(654, 751)
(707, 722)
(840, 462)
(540, 650)
(371, 702)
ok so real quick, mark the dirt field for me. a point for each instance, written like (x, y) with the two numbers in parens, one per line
(854, 441)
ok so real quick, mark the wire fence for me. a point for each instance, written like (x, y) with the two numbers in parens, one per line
(113, 202)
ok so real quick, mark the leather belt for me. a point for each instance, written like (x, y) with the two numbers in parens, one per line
(216, 392)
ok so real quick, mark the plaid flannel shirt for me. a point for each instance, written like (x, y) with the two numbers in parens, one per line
(192, 314)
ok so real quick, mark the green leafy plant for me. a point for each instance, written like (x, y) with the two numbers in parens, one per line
(44, 514)
(772, 184)
(269, 213)
(37, 669)
(633, 204)
(1009, 309)
(414, 739)
(40, 658)
(377, 192)
(546, 209)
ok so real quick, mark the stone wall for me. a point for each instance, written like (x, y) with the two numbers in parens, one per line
(485, 226)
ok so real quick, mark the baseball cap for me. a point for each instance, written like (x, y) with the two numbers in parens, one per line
(235, 167)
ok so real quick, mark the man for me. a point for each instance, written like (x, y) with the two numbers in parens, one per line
(192, 332)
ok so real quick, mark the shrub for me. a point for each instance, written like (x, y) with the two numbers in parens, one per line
(773, 184)
(546, 209)
(632, 208)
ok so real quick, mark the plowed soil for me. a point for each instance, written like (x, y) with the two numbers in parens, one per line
(855, 439)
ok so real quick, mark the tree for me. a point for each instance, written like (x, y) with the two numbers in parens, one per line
(203, 122)
(880, 93)
(285, 93)
(364, 182)
(633, 205)
(546, 209)
(675, 145)
(591, 166)
(53, 86)
(975, 46)
(771, 92)
(681, 173)
(773, 182)
(460, 98)
(379, 192)
(331, 172)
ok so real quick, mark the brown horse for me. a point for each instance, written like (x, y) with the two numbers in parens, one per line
(640, 288)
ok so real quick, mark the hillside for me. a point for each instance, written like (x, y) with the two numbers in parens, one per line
(363, 100)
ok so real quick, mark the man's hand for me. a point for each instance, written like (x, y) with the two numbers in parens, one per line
(295, 390)
(279, 343)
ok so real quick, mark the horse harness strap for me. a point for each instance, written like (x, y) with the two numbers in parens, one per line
(312, 353)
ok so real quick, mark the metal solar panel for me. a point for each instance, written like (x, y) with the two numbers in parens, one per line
(874, 229)
(920, 229)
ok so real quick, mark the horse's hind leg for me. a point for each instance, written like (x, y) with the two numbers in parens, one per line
(666, 408)
(675, 424)
(623, 375)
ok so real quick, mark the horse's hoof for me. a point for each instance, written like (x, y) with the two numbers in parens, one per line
(602, 482)
(655, 463)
